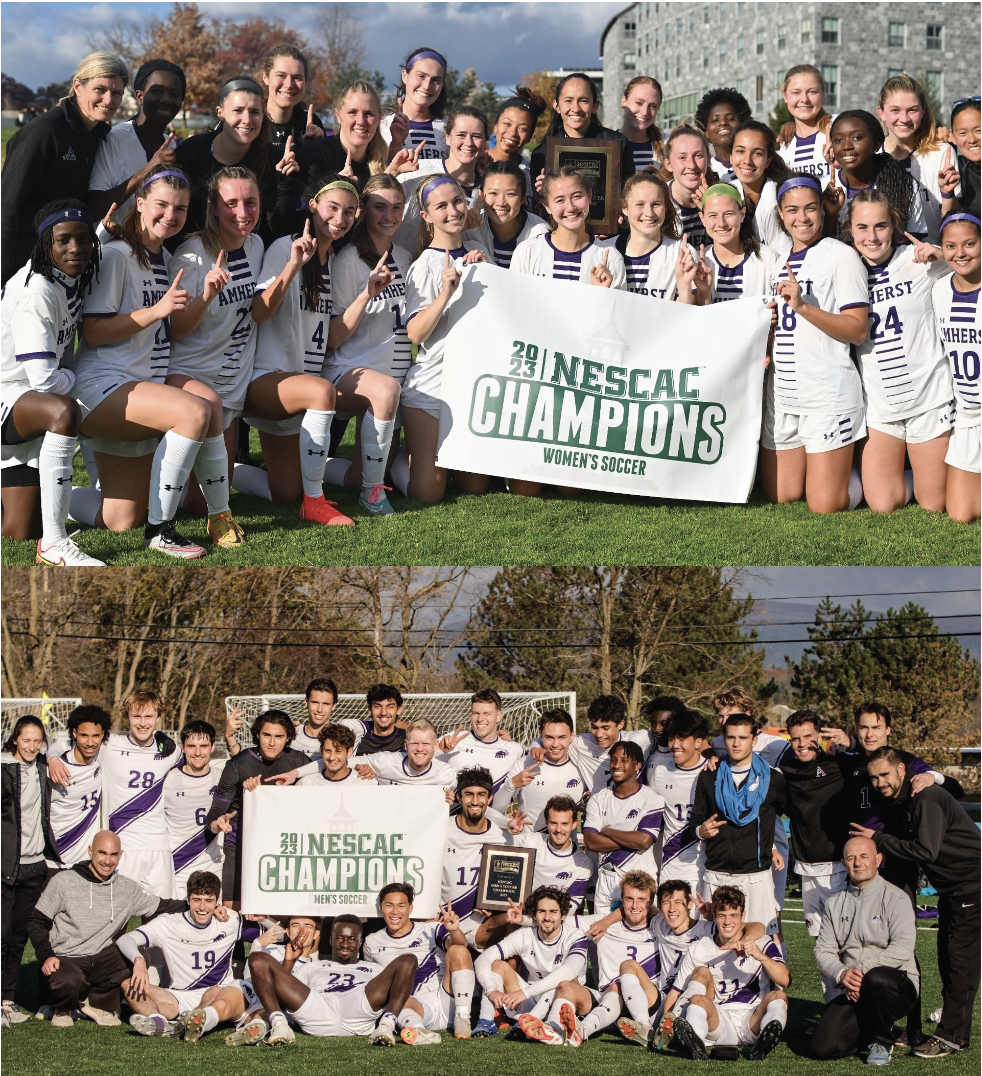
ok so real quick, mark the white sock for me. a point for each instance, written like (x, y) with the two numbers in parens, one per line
(909, 485)
(409, 1018)
(776, 1010)
(553, 1018)
(252, 481)
(601, 1016)
(698, 1019)
(55, 472)
(462, 986)
(315, 443)
(88, 454)
(487, 1007)
(211, 1018)
(541, 1007)
(335, 469)
(855, 489)
(169, 472)
(635, 999)
(85, 505)
(211, 471)
(276, 1015)
(400, 472)
(376, 437)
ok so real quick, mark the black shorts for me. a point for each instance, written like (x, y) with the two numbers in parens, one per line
(20, 476)
(8, 432)
(231, 874)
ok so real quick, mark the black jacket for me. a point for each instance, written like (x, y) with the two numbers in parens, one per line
(10, 816)
(50, 158)
(818, 805)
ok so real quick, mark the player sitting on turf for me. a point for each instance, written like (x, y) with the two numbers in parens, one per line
(197, 950)
(337, 746)
(445, 976)
(340, 996)
(553, 952)
(724, 997)
(413, 766)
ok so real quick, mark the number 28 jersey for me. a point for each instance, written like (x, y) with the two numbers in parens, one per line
(957, 314)
(132, 791)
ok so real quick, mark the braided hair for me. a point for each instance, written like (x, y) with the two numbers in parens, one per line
(41, 260)
(888, 174)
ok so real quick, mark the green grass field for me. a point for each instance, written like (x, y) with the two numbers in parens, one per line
(497, 528)
(37, 1049)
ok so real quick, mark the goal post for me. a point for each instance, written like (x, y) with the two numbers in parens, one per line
(446, 711)
(54, 714)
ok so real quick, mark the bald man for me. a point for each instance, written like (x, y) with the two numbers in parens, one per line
(74, 928)
(865, 948)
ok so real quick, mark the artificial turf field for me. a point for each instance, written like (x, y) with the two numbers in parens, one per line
(37, 1049)
(498, 528)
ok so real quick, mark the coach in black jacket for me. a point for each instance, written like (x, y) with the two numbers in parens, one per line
(931, 829)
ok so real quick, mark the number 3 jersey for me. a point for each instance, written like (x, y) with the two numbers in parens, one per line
(737, 980)
(425, 941)
(187, 800)
(197, 956)
(957, 314)
(623, 942)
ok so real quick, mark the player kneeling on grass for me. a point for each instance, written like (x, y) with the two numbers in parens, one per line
(553, 952)
(340, 996)
(445, 977)
(197, 950)
(724, 997)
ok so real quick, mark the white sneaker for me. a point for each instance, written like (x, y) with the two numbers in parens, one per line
(100, 1016)
(66, 554)
(280, 1033)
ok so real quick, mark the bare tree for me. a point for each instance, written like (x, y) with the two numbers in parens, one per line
(340, 37)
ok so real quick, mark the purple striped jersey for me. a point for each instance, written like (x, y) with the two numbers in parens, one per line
(676, 787)
(672, 947)
(462, 866)
(623, 942)
(569, 868)
(132, 790)
(426, 941)
(75, 814)
(738, 980)
(807, 154)
(197, 956)
(330, 977)
(957, 315)
(692, 226)
(541, 957)
(642, 156)
(652, 273)
(641, 811)
(187, 800)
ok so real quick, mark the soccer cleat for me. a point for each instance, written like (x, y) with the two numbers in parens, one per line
(633, 1030)
(383, 1035)
(417, 1036)
(486, 1029)
(934, 1047)
(768, 1038)
(570, 1024)
(154, 1026)
(662, 1036)
(536, 1030)
(15, 1014)
(224, 531)
(687, 1038)
(100, 1016)
(878, 1054)
(65, 554)
(461, 1026)
(280, 1033)
(247, 1035)
(44, 1013)
(194, 1025)
(62, 1019)
(164, 539)
(376, 503)
(320, 510)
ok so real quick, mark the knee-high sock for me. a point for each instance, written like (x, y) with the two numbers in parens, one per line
(211, 1017)
(55, 473)
(776, 1010)
(602, 1015)
(462, 986)
(335, 470)
(541, 1006)
(252, 481)
(88, 454)
(85, 505)
(495, 982)
(635, 998)
(315, 443)
(909, 485)
(855, 489)
(400, 472)
(169, 472)
(410, 1018)
(376, 437)
(698, 1020)
(211, 471)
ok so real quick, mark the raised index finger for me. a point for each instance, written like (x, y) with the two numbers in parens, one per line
(382, 261)
(219, 259)
(177, 280)
(787, 265)
(310, 115)
(446, 260)
(288, 149)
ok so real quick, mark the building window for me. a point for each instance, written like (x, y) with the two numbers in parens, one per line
(897, 35)
(722, 12)
(705, 15)
(759, 93)
(692, 21)
(705, 59)
(678, 66)
(830, 73)
(630, 61)
(656, 39)
(893, 72)
(722, 53)
(806, 31)
(830, 31)
(630, 29)
(678, 28)
(781, 35)
(739, 85)
(934, 34)
(934, 82)
(760, 42)
(692, 63)
(740, 47)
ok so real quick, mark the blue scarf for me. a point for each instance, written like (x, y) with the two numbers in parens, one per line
(741, 806)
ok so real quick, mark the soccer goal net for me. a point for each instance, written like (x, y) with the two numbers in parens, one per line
(54, 714)
(522, 710)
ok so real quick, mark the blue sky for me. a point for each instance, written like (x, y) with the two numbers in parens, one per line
(42, 42)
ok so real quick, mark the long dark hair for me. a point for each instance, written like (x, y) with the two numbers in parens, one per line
(131, 233)
(777, 170)
(257, 156)
(10, 744)
(41, 262)
(312, 272)
(889, 175)
(556, 123)
(361, 240)
(438, 106)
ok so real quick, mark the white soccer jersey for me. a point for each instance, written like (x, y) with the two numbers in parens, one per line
(380, 342)
(641, 811)
(432, 132)
(132, 792)
(330, 977)
(642, 156)
(957, 316)
(197, 956)
(221, 350)
(766, 220)
(75, 815)
(542, 958)
(321, 780)
(392, 768)
(303, 741)
(407, 236)
(724, 173)
(538, 257)
(570, 869)
(497, 756)
(120, 155)
(652, 273)
(692, 226)
(623, 942)
(553, 779)
(672, 947)
(503, 250)
(187, 799)
(814, 374)
(676, 787)
(294, 339)
(807, 154)
(903, 364)
(462, 866)
(752, 276)
(426, 941)
(924, 169)
(593, 761)
(121, 287)
(738, 980)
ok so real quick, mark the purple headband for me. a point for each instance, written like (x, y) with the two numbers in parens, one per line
(160, 175)
(798, 181)
(426, 54)
(65, 215)
(432, 186)
(961, 216)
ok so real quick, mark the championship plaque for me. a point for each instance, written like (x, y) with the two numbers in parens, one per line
(506, 874)
(600, 159)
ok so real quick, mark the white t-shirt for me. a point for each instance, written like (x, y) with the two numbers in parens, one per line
(122, 286)
(221, 350)
(303, 741)
(593, 761)
(392, 768)
(432, 132)
(132, 792)
(503, 250)
(120, 155)
(321, 780)
(462, 867)
(570, 869)
(187, 800)
(903, 363)
(807, 154)
(924, 169)
(539, 257)
(766, 219)
(380, 342)
(622, 942)
(752, 276)
(814, 374)
(423, 285)
(652, 273)
(957, 316)
(425, 941)
(294, 339)
(641, 811)
(197, 956)
(740, 981)
(676, 786)
(330, 977)
(75, 814)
